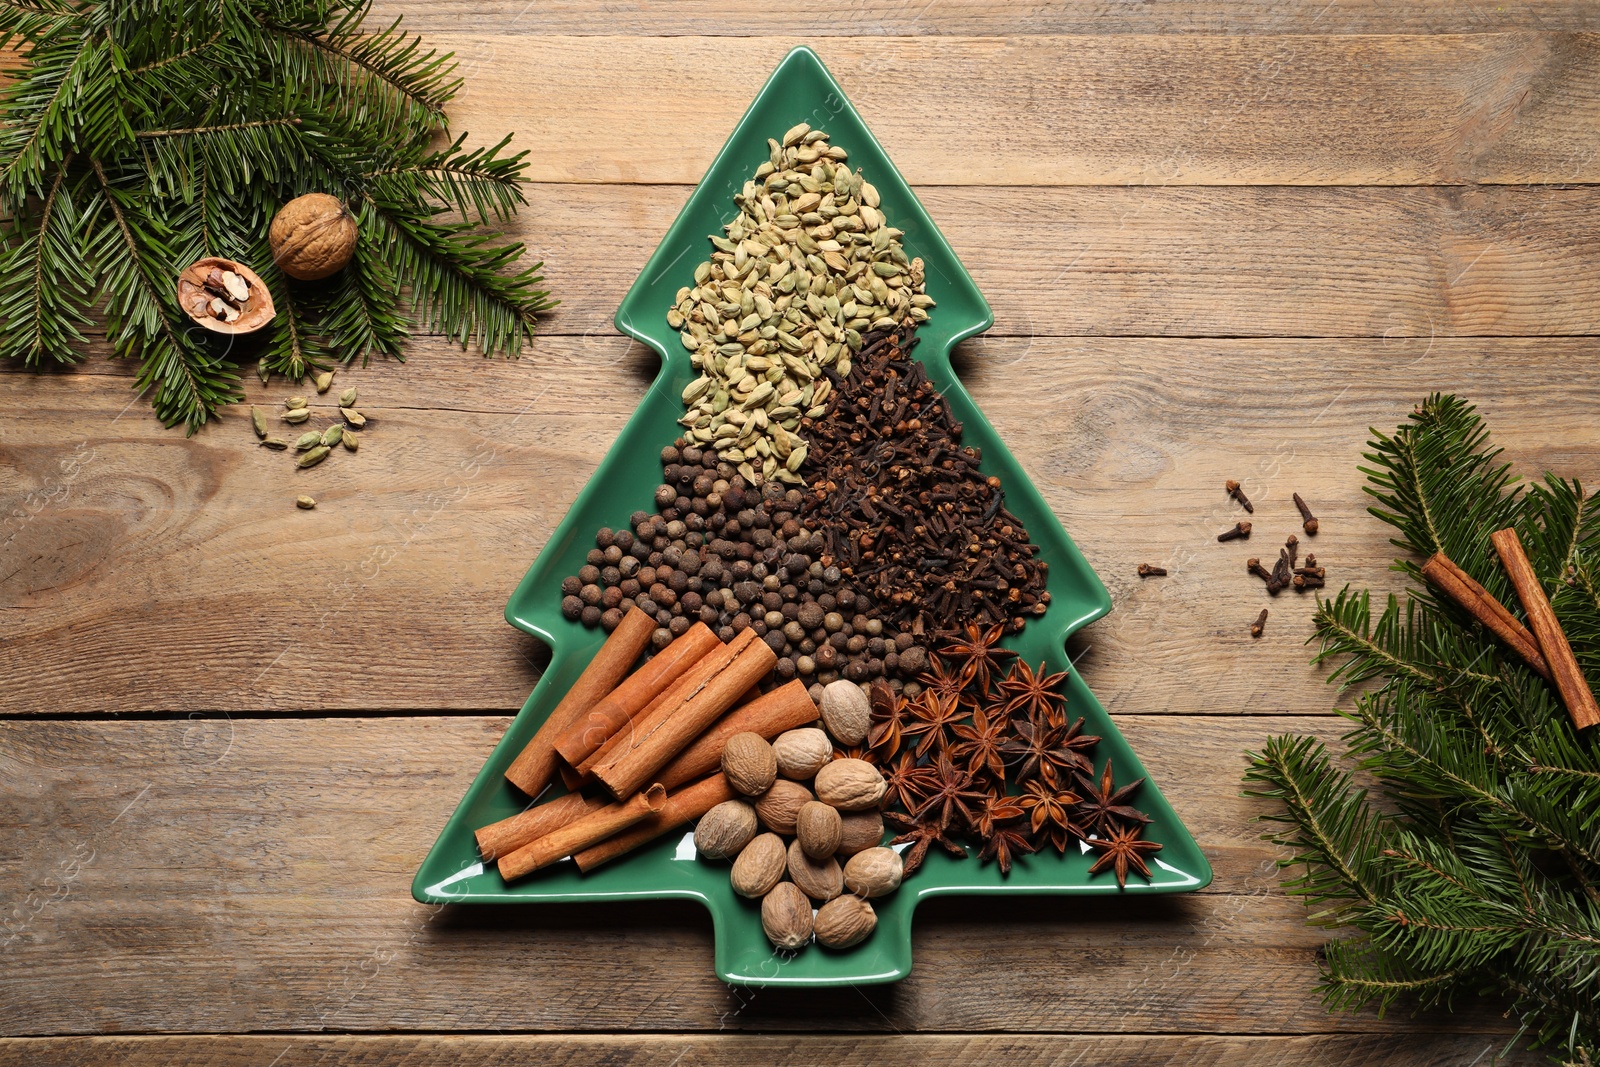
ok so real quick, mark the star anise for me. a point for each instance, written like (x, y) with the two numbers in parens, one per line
(1103, 809)
(1030, 694)
(1050, 813)
(952, 800)
(979, 745)
(1123, 850)
(949, 683)
(979, 653)
(931, 719)
(1072, 751)
(860, 752)
(1003, 845)
(908, 782)
(890, 713)
(997, 810)
(920, 834)
(1048, 750)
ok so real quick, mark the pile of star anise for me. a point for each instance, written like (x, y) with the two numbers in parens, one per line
(986, 751)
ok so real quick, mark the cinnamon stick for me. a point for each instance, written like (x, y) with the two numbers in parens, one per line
(1568, 677)
(1443, 573)
(533, 768)
(690, 802)
(499, 838)
(637, 764)
(577, 836)
(653, 716)
(633, 694)
(785, 708)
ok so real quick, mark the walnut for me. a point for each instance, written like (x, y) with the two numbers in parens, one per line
(224, 296)
(818, 828)
(786, 916)
(312, 236)
(850, 784)
(845, 921)
(818, 879)
(749, 764)
(875, 872)
(725, 830)
(759, 867)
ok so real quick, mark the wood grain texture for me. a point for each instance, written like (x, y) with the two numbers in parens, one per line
(999, 18)
(215, 875)
(152, 573)
(790, 1050)
(1067, 110)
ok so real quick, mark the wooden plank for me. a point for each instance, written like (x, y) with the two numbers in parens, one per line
(699, 1050)
(150, 572)
(225, 875)
(1008, 18)
(1067, 110)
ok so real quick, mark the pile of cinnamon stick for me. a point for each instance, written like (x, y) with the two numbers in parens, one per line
(639, 750)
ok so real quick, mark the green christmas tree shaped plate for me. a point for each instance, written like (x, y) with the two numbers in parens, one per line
(800, 90)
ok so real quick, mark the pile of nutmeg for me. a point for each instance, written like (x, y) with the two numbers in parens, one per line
(807, 831)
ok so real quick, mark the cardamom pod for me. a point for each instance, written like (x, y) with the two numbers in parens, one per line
(347, 399)
(353, 417)
(296, 415)
(324, 381)
(263, 371)
(313, 457)
(274, 444)
(350, 439)
(295, 402)
(332, 435)
(305, 503)
(308, 440)
(258, 421)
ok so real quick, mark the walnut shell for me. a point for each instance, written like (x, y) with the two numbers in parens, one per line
(780, 805)
(802, 753)
(749, 764)
(875, 872)
(195, 299)
(859, 831)
(818, 879)
(786, 916)
(846, 711)
(759, 866)
(312, 236)
(818, 828)
(850, 785)
(845, 921)
(725, 830)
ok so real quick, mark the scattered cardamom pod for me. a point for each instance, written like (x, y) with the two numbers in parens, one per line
(324, 381)
(347, 399)
(297, 415)
(353, 417)
(313, 457)
(309, 439)
(304, 502)
(332, 435)
(262, 371)
(350, 439)
(295, 402)
(274, 444)
(258, 421)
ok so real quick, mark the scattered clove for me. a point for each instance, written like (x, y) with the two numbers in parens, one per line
(1303, 581)
(1149, 570)
(1253, 565)
(1260, 624)
(1238, 494)
(1240, 529)
(1309, 520)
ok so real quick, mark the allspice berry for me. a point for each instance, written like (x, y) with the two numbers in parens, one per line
(749, 764)
(312, 236)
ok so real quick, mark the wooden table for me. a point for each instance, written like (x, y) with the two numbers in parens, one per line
(1221, 239)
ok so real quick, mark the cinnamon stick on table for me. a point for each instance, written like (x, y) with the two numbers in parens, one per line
(593, 728)
(1443, 573)
(690, 802)
(1568, 677)
(499, 838)
(785, 708)
(579, 835)
(532, 770)
(630, 769)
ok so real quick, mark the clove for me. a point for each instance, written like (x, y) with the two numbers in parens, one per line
(1240, 530)
(1148, 570)
(1308, 520)
(1238, 494)
(1260, 624)
(1253, 565)
(1303, 581)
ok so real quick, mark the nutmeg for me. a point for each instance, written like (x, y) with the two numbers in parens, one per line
(846, 711)
(779, 806)
(749, 764)
(875, 872)
(802, 753)
(818, 828)
(818, 879)
(759, 866)
(725, 830)
(859, 830)
(850, 784)
(845, 921)
(786, 916)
